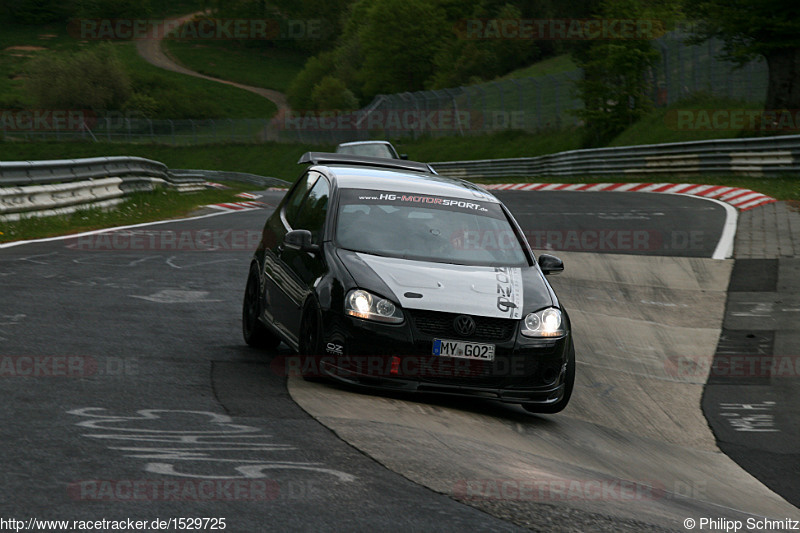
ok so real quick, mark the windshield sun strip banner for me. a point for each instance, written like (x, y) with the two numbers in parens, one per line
(400, 199)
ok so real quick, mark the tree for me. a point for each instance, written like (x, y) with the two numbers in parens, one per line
(464, 60)
(400, 39)
(767, 28)
(300, 91)
(614, 88)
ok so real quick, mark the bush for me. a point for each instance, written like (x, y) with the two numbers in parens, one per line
(157, 96)
(91, 79)
(142, 105)
(331, 94)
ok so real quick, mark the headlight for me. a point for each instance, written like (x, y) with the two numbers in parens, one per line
(362, 304)
(544, 323)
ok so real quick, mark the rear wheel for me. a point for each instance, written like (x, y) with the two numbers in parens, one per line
(569, 384)
(254, 332)
(310, 350)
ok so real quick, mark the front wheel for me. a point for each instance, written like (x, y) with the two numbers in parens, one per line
(569, 384)
(254, 332)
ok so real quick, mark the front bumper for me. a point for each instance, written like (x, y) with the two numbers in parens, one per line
(399, 357)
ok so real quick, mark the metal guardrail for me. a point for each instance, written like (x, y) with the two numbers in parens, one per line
(758, 156)
(55, 187)
(222, 175)
(65, 170)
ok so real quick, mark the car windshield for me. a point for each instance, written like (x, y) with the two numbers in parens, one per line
(370, 150)
(427, 228)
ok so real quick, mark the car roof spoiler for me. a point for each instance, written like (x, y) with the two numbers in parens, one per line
(322, 158)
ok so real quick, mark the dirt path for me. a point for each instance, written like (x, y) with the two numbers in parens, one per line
(151, 50)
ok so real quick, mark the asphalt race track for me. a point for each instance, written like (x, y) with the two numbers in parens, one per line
(129, 392)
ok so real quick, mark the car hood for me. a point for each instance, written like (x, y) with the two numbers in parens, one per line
(502, 292)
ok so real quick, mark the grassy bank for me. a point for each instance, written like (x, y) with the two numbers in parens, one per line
(493, 146)
(268, 159)
(137, 208)
(178, 95)
(260, 67)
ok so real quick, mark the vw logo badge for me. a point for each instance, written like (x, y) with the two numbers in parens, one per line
(464, 325)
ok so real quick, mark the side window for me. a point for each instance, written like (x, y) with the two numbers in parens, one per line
(294, 201)
(312, 213)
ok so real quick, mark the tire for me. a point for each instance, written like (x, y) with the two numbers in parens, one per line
(311, 343)
(254, 332)
(569, 384)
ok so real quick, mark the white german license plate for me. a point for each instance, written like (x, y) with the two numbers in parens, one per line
(464, 350)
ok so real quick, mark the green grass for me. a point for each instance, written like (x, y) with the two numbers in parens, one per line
(267, 159)
(660, 126)
(137, 208)
(212, 98)
(185, 96)
(552, 65)
(176, 8)
(51, 37)
(231, 60)
(494, 146)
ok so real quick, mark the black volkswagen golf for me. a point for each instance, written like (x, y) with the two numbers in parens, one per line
(381, 273)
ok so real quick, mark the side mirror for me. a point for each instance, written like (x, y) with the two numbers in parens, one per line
(550, 264)
(300, 239)
(403, 156)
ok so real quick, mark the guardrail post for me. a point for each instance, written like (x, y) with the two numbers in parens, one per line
(557, 92)
(502, 94)
(456, 118)
(710, 65)
(518, 85)
(427, 104)
(681, 76)
(664, 51)
(483, 106)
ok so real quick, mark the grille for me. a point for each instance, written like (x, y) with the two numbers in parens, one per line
(441, 324)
